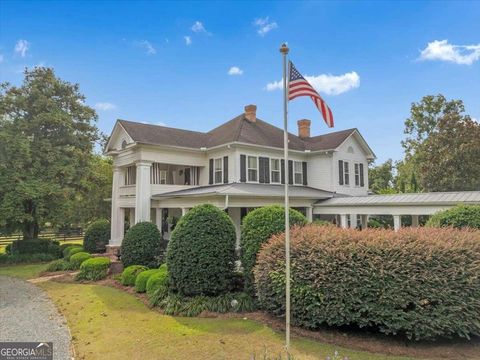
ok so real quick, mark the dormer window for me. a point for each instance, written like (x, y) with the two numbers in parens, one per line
(124, 144)
(252, 167)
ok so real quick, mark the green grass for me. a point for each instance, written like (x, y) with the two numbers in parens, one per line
(23, 271)
(110, 323)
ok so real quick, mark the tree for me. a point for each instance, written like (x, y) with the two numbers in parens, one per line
(380, 177)
(47, 135)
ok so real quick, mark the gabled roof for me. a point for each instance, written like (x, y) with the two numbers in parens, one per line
(240, 130)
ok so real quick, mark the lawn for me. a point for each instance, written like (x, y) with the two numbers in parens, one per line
(109, 323)
(23, 271)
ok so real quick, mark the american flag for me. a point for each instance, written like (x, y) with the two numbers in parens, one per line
(298, 86)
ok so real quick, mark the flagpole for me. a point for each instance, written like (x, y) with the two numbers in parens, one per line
(284, 51)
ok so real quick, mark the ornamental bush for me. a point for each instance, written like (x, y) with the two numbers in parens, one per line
(130, 273)
(97, 236)
(257, 227)
(77, 259)
(142, 278)
(141, 245)
(66, 250)
(35, 246)
(418, 282)
(157, 280)
(201, 252)
(57, 265)
(459, 216)
(94, 269)
(73, 251)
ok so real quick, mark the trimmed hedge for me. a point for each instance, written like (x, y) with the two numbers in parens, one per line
(142, 279)
(257, 227)
(157, 280)
(77, 259)
(201, 252)
(130, 273)
(25, 258)
(419, 282)
(67, 249)
(94, 269)
(35, 246)
(141, 245)
(459, 216)
(97, 236)
(57, 265)
(73, 251)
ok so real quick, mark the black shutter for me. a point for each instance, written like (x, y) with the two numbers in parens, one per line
(267, 170)
(362, 182)
(304, 168)
(243, 168)
(225, 169)
(340, 172)
(210, 173)
(290, 172)
(282, 168)
(261, 170)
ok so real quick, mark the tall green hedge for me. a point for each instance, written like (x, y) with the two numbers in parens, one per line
(420, 282)
(35, 246)
(459, 217)
(97, 236)
(141, 245)
(201, 252)
(257, 227)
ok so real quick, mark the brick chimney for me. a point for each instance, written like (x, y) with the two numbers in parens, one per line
(304, 128)
(251, 113)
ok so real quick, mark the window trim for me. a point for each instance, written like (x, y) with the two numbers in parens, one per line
(356, 170)
(249, 168)
(160, 177)
(346, 173)
(279, 171)
(295, 162)
(215, 171)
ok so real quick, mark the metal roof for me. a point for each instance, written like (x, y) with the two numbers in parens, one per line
(245, 189)
(433, 198)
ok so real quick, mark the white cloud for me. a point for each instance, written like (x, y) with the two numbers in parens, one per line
(148, 47)
(235, 70)
(21, 47)
(264, 25)
(188, 40)
(199, 28)
(105, 106)
(160, 123)
(458, 54)
(326, 83)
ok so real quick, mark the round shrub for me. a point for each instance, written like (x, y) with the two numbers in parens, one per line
(419, 282)
(201, 252)
(130, 273)
(78, 258)
(66, 250)
(257, 227)
(73, 251)
(157, 280)
(459, 216)
(97, 236)
(94, 269)
(142, 278)
(141, 245)
(57, 265)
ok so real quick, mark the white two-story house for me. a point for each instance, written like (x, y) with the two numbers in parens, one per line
(161, 172)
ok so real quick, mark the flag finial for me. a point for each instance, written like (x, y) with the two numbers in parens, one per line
(284, 48)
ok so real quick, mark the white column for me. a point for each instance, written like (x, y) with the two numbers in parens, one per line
(234, 213)
(353, 221)
(414, 220)
(184, 211)
(158, 218)
(142, 192)
(343, 221)
(309, 211)
(117, 213)
(364, 221)
(397, 222)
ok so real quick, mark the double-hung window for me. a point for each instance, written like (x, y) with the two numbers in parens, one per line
(357, 174)
(163, 176)
(252, 167)
(298, 172)
(346, 173)
(275, 171)
(218, 171)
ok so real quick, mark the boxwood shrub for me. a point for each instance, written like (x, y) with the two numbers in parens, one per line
(130, 273)
(97, 236)
(94, 269)
(70, 247)
(157, 280)
(57, 265)
(141, 245)
(257, 227)
(35, 246)
(201, 252)
(418, 282)
(72, 251)
(77, 259)
(142, 278)
(459, 216)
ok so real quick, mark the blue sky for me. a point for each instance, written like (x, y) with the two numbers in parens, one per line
(169, 63)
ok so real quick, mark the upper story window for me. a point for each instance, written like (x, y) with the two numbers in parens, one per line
(218, 171)
(359, 178)
(157, 174)
(131, 175)
(252, 167)
(275, 171)
(298, 172)
(343, 172)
